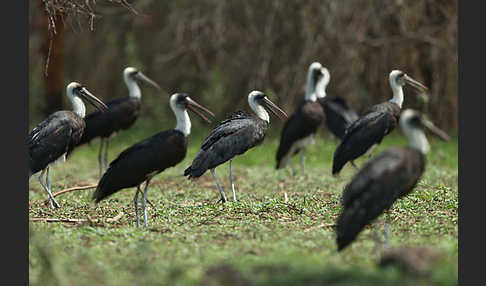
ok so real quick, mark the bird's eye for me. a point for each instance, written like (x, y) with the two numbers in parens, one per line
(415, 120)
(182, 99)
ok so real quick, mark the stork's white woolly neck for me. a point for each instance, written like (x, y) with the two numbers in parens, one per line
(397, 95)
(182, 117)
(78, 105)
(133, 88)
(258, 108)
(416, 136)
(315, 90)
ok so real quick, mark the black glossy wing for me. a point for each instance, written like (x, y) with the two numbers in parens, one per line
(48, 141)
(373, 174)
(232, 124)
(339, 115)
(360, 136)
(121, 114)
(374, 189)
(302, 123)
(232, 137)
(141, 161)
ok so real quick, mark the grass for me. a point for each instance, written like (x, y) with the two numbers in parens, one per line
(261, 240)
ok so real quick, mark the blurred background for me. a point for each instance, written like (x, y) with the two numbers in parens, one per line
(218, 51)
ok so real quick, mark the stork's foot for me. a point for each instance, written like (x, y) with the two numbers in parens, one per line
(222, 200)
(54, 204)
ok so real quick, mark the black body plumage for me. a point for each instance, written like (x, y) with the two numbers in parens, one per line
(232, 137)
(122, 114)
(302, 123)
(52, 138)
(339, 115)
(142, 161)
(363, 133)
(373, 190)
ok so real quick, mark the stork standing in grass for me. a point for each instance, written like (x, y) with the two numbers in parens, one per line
(122, 114)
(369, 130)
(301, 127)
(51, 139)
(234, 136)
(386, 178)
(147, 158)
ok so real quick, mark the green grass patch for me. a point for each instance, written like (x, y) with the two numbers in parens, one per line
(261, 240)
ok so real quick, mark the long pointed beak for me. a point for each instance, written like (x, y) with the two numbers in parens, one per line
(275, 109)
(196, 107)
(146, 79)
(417, 85)
(93, 100)
(435, 130)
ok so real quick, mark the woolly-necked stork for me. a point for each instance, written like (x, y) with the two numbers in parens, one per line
(122, 113)
(389, 176)
(300, 129)
(147, 158)
(51, 139)
(370, 129)
(339, 115)
(232, 137)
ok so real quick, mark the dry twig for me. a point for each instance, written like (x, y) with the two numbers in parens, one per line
(78, 188)
(74, 220)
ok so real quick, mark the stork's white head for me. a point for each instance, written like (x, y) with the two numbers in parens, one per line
(70, 88)
(129, 73)
(397, 80)
(76, 93)
(180, 102)
(318, 78)
(130, 76)
(413, 123)
(258, 100)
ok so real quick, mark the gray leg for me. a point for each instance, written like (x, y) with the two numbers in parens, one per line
(302, 159)
(292, 169)
(135, 202)
(47, 188)
(100, 162)
(106, 153)
(223, 197)
(370, 151)
(144, 203)
(376, 238)
(47, 179)
(387, 231)
(232, 181)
